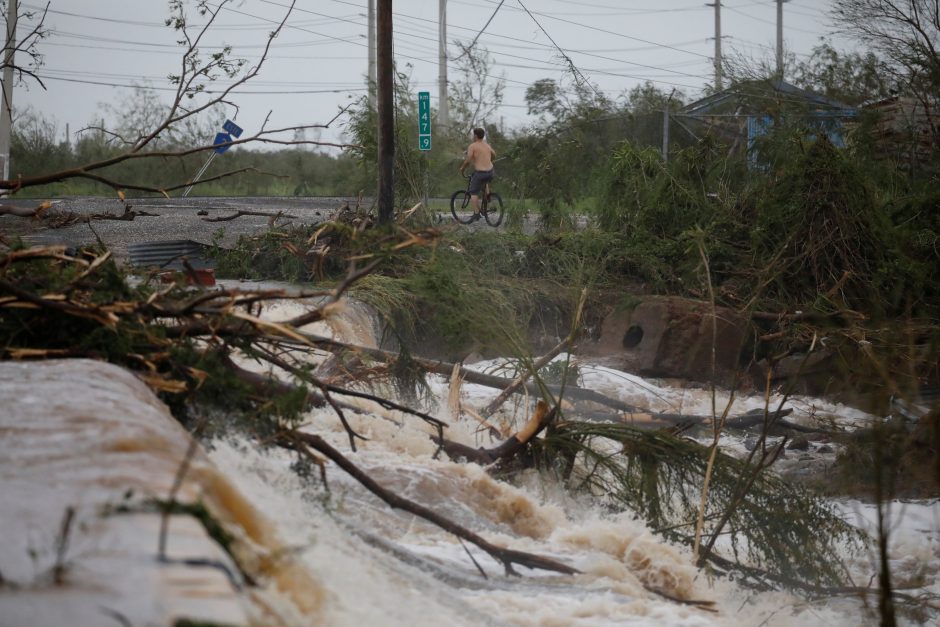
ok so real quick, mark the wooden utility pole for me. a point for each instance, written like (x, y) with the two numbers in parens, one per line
(371, 40)
(717, 5)
(6, 107)
(386, 113)
(443, 114)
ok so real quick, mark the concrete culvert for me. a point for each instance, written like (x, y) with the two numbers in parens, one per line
(633, 336)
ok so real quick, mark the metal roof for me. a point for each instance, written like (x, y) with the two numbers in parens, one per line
(778, 89)
(170, 254)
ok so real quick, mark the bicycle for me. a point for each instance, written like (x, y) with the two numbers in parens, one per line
(491, 205)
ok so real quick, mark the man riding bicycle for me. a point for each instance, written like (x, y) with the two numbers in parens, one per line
(480, 156)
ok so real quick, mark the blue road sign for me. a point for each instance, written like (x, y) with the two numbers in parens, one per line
(424, 116)
(222, 138)
(232, 129)
(424, 142)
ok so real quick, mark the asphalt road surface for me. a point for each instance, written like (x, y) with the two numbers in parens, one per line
(183, 219)
(173, 219)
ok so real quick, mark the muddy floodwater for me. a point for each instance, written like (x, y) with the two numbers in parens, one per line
(85, 436)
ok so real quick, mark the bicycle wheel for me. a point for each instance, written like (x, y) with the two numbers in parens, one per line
(460, 206)
(494, 210)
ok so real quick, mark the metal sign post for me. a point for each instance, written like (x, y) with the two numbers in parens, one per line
(221, 141)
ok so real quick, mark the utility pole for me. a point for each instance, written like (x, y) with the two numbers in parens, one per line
(386, 113)
(666, 126)
(443, 114)
(666, 133)
(780, 39)
(717, 5)
(371, 40)
(6, 107)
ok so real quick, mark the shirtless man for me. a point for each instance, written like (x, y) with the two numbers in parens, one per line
(480, 156)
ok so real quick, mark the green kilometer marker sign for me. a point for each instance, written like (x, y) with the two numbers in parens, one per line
(424, 120)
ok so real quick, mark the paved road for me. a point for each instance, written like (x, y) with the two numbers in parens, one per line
(175, 219)
(179, 219)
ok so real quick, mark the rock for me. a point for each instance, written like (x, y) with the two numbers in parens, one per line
(799, 443)
(825, 448)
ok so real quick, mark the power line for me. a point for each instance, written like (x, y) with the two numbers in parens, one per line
(353, 40)
(272, 2)
(206, 91)
(574, 69)
(474, 42)
(615, 33)
(587, 26)
(772, 23)
(597, 56)
(344, 41)
(652, 44)
(175, 52)
(176, 47)
(619, 10)
(162, 25)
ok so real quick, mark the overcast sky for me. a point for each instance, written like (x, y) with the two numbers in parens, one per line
(98, 49)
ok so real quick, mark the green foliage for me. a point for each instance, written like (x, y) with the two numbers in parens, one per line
(33, 328)
(563, 159)
(409, 379)
(628, 184)
(848, 77)
(301, 253)
(273, 255)
(558, 372)
(917, 217)
(36, 150)
(776, 527)
(819, 231)
(904, 460)
(902, 36)
(463, 307)
(136, 341)
(660, 209)
(414, 170)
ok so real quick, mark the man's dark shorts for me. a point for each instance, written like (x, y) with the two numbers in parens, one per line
(478, 179)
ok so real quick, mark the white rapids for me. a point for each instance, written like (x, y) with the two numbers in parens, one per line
(83, 434)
